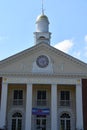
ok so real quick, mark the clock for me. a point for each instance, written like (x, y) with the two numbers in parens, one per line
(42, 61)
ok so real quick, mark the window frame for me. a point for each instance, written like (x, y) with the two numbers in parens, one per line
(16, 120)
(40, 119)
(65, 94)
(65, 102)
(65, 121)
(42, 102)
(18, 100)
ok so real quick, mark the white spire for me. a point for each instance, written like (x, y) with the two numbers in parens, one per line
(42, 8)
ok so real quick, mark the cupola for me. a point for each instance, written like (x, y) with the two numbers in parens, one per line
(42, 34)
(42, 23)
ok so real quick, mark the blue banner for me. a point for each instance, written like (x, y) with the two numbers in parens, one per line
(40, 111)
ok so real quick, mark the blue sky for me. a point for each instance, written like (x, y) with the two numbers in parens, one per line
(68, 25)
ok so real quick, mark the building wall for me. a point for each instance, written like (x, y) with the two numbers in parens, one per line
(48, 105)
(84, 95)
(11, 108)
(71, 110)
(0, 88)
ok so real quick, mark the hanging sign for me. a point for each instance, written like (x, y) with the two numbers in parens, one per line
(40, 111)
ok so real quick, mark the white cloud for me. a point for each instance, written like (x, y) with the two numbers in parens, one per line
(85, 38)
(65, 45)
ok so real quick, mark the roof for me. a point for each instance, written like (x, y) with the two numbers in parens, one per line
(14, 64)
(42, 17)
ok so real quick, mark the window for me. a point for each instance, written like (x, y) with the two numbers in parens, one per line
(42, 37)
(18, 97)
(41, 122)
(65, 123)
(41, 97)
(16, 121)
(65, 98)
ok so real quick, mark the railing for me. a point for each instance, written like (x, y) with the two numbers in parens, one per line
(65, 103)
(41, 103)
(17, 102)
(78, 129)
(41, 127)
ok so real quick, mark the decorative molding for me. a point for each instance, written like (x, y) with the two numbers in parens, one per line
(54, 75)
(78, 81)
(43, 78)
(4, 79)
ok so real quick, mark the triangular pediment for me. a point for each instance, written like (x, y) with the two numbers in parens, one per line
(59, 62)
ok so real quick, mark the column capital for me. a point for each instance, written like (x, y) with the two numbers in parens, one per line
(29, 84)
(78, 82)
(4, 80)
(54, 84)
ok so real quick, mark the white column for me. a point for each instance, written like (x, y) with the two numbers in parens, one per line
(28, 107)
(79, 106)
(54, 107)
(3, 105)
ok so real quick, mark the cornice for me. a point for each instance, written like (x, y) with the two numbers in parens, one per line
(42, 75)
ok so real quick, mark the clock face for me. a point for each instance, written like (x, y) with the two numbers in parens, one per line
(42, 61)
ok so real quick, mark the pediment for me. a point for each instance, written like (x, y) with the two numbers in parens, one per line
(59, 62)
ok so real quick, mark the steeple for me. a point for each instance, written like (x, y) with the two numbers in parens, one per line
(42, 8)
(42, 34)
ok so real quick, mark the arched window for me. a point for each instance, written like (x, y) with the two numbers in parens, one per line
(42, 37)
(65, 122)
(16, 121)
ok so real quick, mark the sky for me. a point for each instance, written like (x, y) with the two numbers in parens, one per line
(68, 25)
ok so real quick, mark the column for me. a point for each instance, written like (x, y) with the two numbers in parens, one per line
(28, 107)
(79, 106)
(3, 105)
(54, 107)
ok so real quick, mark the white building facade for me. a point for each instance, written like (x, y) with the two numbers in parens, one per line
(41, 88)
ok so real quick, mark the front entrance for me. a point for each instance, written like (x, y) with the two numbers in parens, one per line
(65, 122)
(41, 122)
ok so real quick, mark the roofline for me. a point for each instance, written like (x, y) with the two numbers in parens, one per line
(57, 51)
